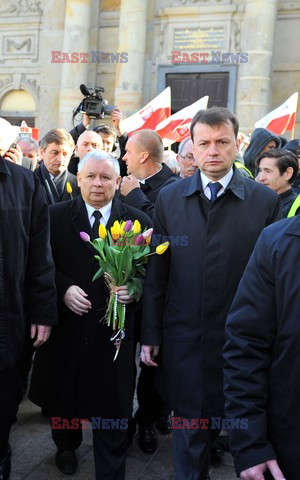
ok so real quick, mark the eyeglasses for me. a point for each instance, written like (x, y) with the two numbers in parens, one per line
(188, 156)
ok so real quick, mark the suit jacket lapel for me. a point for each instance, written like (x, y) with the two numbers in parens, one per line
(118, 212)
(80, 220)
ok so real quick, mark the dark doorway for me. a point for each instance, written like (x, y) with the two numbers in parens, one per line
(187, 88)
(15, 120)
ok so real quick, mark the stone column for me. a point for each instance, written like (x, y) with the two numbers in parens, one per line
(254, 84)
(76, 39)
(132, 39)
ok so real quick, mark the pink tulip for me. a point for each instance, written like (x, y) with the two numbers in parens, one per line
(85, 237)
(147, 233)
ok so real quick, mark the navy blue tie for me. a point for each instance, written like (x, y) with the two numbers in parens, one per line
(214, 188)
(97, 214)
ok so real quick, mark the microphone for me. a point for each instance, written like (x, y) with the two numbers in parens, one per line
(84, 90)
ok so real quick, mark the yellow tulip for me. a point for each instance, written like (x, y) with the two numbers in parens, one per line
(69, 188)
(136, 227)
(115, 231)
(162, 248)
(102, 231)
(116, 225)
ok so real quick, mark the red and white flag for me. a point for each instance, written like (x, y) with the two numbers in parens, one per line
(282, 119)
(177, 127)
(151, 115)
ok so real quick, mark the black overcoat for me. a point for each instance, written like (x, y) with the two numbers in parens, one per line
(50, 191)
(74, 375)
(262, 368)
(188, 290)
(27, 289)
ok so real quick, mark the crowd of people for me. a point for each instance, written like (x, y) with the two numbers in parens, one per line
(217, 324)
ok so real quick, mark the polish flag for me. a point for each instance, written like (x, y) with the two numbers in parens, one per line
(282, 119)
(151, 115)
(177, 127)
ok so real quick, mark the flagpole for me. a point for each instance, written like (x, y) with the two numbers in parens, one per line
(293, 132)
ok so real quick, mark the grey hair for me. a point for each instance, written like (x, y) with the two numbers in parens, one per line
(182, 144)
(100, 155)
(30, 141)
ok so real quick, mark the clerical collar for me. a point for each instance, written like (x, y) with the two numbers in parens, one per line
(147, 178)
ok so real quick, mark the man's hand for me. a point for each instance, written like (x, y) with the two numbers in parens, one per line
(128, 184)
(123, 296)
(148, 353)
(257, 472)
(116, 116)
(86, 120)
(41, 332)
(75, 299)
(14, 155)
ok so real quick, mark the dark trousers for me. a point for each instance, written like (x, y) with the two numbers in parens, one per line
(191, 451)
(66, 439)
(151, 405)
(109, 446)
(9, 401)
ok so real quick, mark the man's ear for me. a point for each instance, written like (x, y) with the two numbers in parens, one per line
(143, 157)
(118, 181)
(288, 173)
(42, 153)
(78, 178)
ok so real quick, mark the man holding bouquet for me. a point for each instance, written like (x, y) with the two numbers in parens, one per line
(75, 377)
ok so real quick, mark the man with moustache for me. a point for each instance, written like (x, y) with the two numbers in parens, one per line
(185, 158)
(188, 291)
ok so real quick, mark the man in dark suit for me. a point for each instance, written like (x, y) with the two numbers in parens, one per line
(56, 149)
(147, 175)
(213, 220)
(75, 377)
(262, 368)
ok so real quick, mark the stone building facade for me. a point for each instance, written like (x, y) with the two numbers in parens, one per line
(243, 53)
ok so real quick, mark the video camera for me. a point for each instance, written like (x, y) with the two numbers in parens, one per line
(93, 104)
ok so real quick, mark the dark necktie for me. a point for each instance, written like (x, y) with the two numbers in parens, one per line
(214, 188)
(97, 214)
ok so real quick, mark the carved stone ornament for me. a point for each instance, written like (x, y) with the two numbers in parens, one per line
(20, 7)
(31, 82)
(6, 81)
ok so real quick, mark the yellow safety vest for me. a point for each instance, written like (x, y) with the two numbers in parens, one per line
(294, 207)
(240, 165)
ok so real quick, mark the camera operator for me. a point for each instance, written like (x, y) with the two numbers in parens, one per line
(108, 136)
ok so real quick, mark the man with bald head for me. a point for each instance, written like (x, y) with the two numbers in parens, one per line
(87, 142)
(147, 175)
(185, 158)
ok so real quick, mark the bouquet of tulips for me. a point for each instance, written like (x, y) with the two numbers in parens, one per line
(122, 255)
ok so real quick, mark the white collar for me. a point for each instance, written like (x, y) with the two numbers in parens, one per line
(105, 212)
(224, 181)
